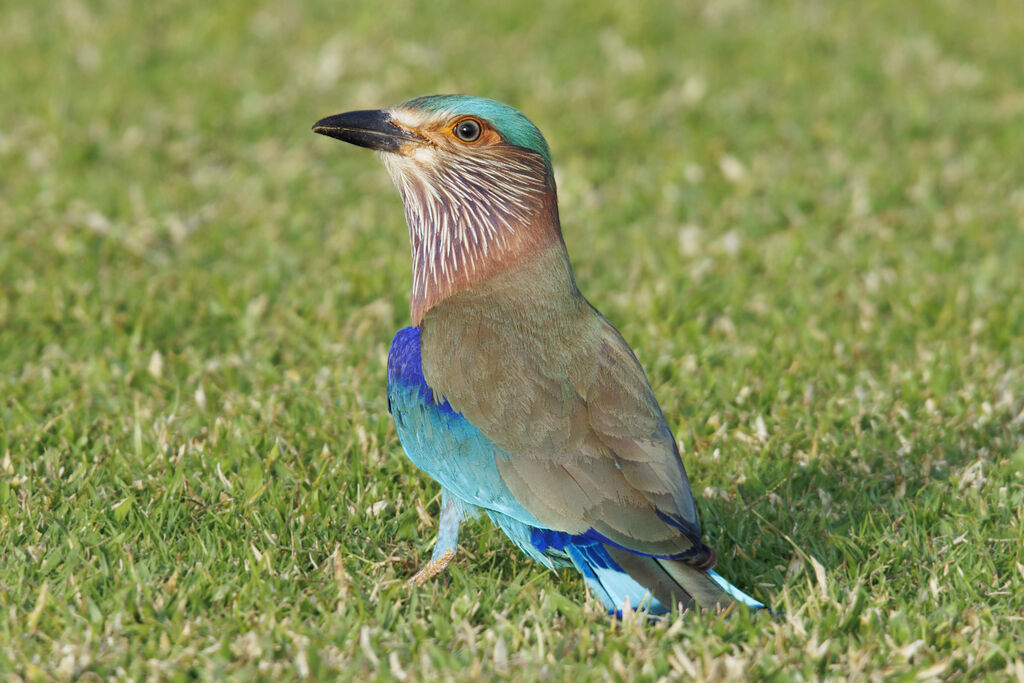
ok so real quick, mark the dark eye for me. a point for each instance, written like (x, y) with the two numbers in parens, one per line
(467, 130)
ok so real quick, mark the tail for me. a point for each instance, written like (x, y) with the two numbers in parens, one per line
(617, 575)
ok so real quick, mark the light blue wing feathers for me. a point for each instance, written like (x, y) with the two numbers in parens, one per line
(442, 442)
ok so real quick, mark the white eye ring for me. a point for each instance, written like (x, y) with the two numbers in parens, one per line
(467, 130)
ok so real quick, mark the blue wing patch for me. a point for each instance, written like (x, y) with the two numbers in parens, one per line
(440, 441)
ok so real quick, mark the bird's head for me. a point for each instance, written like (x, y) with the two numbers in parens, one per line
(476, 180)
(437, 135)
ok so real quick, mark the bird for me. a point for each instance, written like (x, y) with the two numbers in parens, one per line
(509, 388)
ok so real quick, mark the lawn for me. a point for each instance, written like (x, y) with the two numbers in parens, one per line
(807, 218)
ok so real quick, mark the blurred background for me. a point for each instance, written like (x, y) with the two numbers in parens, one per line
(806, 217)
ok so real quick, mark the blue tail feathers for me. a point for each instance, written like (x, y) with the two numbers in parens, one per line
(736, 594)
(612, 585)
(616, 587)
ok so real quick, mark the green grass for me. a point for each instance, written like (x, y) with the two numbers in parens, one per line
(807, 218)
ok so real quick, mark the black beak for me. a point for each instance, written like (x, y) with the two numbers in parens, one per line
(371, 128)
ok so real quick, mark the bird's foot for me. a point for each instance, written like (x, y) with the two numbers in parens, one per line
(432, 568)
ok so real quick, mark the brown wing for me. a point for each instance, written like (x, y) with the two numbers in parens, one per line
(554, 385)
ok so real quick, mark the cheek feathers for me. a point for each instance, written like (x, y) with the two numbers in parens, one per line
(426, 156)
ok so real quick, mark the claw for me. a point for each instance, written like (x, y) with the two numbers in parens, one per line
(432, 568)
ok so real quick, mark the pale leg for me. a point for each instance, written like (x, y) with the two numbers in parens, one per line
(453, 511)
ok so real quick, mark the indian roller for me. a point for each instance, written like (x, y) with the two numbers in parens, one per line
(510, 389)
